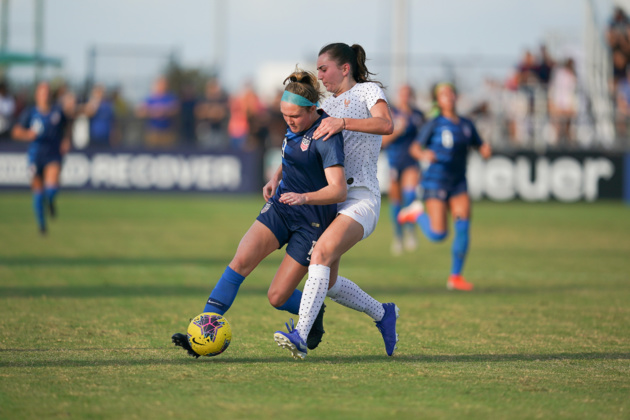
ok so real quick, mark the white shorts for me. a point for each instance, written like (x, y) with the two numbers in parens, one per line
(362, 206)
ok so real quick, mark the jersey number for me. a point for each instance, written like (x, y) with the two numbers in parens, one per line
(447, 139)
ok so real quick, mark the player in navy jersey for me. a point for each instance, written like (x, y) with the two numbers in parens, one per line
(46, 126)
(444, 143)
(358, 108)
(404, 170)
(301, 204)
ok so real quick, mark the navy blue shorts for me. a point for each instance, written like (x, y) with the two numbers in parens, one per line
(396, 171)
(36, 166)
(446, 192)
(299, 237)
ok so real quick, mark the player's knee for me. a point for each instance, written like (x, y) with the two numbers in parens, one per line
(276, 298)
(242, 266)
(322, 255)
(437, 236)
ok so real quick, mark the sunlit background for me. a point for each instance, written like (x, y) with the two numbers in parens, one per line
(515, 64)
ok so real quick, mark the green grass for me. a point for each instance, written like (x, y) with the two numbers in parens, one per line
(86, 316)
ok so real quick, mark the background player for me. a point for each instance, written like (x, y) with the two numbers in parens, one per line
(444, 142)
(404, 173)
(47, 127)
(301, 204)
(357, 107)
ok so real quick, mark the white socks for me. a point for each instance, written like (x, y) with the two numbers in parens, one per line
(313, 296)
(348, 294)
(344, 292)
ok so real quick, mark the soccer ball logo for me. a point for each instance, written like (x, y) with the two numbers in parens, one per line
(209, 334)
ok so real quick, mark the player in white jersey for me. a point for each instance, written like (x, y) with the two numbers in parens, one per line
(357, 107)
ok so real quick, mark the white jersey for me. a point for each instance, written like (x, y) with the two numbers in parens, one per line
(361, 149)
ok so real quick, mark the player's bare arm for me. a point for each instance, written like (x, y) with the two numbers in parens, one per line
(270, 187)
(381, 123)
(334, 192)
(23, 134)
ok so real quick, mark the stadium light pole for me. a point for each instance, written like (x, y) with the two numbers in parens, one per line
(400, 44)
(220, 35)
(4, 29)
(4, 33)
(39, 39)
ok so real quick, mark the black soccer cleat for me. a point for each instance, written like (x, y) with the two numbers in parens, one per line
(181, 340)
(317, 331)
(52, 209)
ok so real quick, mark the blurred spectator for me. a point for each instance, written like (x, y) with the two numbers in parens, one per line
(21, 101)
(622, 98)
(100, 112)
(527, 71)
(159, 109)
(619, 64)
(544, 66)
(213, 113)
(246, 113)
(517, 110)
(563, 99)
(65, 98)
(618, 32)
(188, 103)
(276, 125)
(618, 39)
(7, 111)
(490, 110)
(122, 117)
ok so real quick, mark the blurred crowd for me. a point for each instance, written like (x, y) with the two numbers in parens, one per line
(618, 40)
(540, 103)
(209, 120)
(537, 104)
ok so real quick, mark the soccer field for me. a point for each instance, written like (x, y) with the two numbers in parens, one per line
(86, 316)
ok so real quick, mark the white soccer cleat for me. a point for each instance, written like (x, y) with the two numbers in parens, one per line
(397, 247)
(411, 213)
(410, 242)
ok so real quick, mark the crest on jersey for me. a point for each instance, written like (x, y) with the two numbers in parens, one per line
(55, 117)
(346, 102)
(306, 141)
(264, 209)
(466, 130)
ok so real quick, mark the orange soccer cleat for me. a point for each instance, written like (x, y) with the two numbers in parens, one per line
(410, 213)
(457, 282)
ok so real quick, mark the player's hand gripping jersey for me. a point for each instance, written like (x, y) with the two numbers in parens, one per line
(303, 164)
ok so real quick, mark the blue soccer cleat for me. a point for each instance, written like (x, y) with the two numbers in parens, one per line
(291, 341)
(387, 327)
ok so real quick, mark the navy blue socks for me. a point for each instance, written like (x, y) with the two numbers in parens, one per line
(460, 245)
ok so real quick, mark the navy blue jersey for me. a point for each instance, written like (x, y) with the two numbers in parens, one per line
(303, 164)
(50, 130)
(398, 150)
(450, 141)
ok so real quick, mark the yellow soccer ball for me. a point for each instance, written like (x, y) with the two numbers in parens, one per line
(209, 334)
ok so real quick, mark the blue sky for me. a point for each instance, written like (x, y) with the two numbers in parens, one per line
(281, 31)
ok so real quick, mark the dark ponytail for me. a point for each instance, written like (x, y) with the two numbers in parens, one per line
(353, 55)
